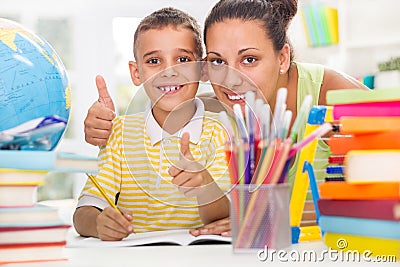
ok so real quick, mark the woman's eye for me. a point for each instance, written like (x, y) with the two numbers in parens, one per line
(217, 62)
(153, 61)
(249, 60)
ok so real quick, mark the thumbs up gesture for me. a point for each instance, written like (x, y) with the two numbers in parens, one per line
(188, 174)
(98, 121)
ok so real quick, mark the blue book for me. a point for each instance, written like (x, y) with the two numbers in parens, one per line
(360, 226)
(48, 160)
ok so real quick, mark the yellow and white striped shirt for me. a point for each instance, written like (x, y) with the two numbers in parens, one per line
(135, 163)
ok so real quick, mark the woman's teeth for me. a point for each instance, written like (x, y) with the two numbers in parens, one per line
(236, 97)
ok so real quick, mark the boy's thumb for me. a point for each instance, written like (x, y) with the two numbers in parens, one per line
(104, 96)
(185, 148)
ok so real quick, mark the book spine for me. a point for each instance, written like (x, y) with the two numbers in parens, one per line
(344, 190)
(27, 160)
(368, 209)
(342, 144)
(378, 246)
(360, 227)
(367, 109)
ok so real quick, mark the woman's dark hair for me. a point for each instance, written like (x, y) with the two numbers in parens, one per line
(274, 15)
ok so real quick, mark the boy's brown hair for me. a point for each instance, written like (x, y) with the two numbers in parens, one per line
(170, 16)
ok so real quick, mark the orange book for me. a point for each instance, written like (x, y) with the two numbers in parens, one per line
(341, 144)
(364, 125)
(344, 190)
(32, 252)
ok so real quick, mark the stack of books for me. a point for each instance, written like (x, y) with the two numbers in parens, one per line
(30, 232)
(363, 212)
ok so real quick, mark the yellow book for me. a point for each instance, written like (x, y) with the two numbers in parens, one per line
(377, 246)
(333, 23)
(21, 177)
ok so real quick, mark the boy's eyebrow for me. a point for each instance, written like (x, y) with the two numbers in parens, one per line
(159, 51)
(151, 52)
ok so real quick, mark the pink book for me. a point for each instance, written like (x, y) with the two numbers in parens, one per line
(391, 108)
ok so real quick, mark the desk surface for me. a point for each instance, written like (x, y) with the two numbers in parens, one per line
(180, 256)
(177, 256)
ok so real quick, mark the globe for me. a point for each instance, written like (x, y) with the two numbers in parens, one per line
(33, 81)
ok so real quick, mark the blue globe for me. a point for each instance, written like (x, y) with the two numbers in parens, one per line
(33, 81)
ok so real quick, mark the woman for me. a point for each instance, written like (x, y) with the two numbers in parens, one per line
(249, 36)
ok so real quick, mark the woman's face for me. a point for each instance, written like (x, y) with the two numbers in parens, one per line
(241, 58)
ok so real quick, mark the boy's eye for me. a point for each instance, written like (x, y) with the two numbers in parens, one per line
(217, 61)
(153, 61)
(183, 59)
(249, 60)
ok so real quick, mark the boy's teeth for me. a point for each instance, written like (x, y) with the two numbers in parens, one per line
(235, 97)
(168, 88)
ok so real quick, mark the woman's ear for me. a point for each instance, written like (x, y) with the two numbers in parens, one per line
(204, 70)
(133, 68)
(284, 58)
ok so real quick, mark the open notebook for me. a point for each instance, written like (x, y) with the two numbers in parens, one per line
(180, 237)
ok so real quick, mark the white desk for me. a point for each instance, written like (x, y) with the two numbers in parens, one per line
(177, 256)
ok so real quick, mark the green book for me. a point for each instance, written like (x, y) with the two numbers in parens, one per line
(349, 96)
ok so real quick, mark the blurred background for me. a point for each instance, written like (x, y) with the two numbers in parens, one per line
(361, 38)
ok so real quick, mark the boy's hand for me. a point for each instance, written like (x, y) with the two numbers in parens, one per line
(98, 121)
(221, 227)
(189, 175)
(112, 225)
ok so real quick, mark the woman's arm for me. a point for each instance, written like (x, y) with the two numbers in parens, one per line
(334, 80)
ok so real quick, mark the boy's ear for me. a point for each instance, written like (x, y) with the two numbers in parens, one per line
(133, 68)
(284, 58)
(204, 70)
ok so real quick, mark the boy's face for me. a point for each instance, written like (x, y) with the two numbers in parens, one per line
(166, 66)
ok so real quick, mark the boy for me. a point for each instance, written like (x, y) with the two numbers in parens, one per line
(158, 185)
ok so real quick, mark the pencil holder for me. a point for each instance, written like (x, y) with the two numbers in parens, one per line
(260, 217)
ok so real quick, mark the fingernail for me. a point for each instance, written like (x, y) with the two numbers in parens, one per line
(130, 228)
(195, 232)
(203, 231)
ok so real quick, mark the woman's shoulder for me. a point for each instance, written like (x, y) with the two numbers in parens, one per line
(337, 80)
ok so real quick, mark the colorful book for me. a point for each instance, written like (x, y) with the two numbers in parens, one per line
(340, 144)
(48, 160)
(29, 216)
(18, 195)
(33, 252)
(369, 109)
(344, 190)
(333, 24)
(14, 176)
(372, 166)
(380, 209)
(351, 96)
(377, 246)
(33, 234)
(367, 125)
(360, 226)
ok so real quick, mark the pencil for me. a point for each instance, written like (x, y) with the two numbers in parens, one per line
(103, 193)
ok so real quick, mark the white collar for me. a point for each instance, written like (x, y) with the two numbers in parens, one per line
(194, 127)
